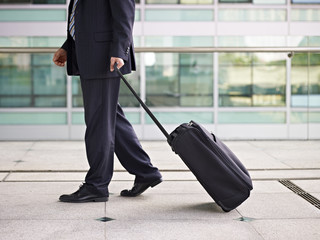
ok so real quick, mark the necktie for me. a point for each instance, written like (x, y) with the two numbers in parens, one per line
(71, 22)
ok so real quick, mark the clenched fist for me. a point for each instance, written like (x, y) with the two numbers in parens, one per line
(60, 57)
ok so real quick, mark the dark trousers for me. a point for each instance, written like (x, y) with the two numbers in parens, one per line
(108, 132)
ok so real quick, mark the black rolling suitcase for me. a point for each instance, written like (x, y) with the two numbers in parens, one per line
(218, 170)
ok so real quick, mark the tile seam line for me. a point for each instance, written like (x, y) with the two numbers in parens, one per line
(5, 178)
(162, 170)
(128, 180)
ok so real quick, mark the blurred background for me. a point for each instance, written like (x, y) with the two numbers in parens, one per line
(237, 93)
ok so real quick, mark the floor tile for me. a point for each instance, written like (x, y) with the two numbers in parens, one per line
(3, 175)
(293, 229)
(310, 186)
(277, 206)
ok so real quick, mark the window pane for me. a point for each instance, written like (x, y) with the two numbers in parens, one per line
(305, 1)
(254, 1)
(179, 79)
(196, 1)
(247, 79)
(49, 1)
(137, 16)
(30, 15)
(15, 1)
(305, 14)
(304, 41)
(15, 80)
(249, 15)
(305, 81)
(167, 15)
(269, 1)
(33, 118)
(251, 117)
(252, 41)
(305, 117)
(235, 1)
(33, 1)
(31, 41)
(179, 41)
(31, 80)
(162, 1)
(49, 82)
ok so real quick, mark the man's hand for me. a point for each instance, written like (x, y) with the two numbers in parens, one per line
(60, 57)
(114, 60)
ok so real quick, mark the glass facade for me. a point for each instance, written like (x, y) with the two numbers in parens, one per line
(305, 15)
(32, 15)
(220, 90)
(252, 15)
(179, 1)
(254, 1)
(156, 15)
(252, 79)
(184, 80)
(305, 80)
(305, 1)
(33, 1)
(31, 80)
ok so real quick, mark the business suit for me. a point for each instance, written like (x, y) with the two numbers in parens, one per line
(103, 29)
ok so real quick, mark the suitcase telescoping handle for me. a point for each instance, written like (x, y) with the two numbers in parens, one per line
(143, 104)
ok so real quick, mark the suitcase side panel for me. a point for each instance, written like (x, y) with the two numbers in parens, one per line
(219, 180)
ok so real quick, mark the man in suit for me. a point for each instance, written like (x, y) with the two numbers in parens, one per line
(100, 35)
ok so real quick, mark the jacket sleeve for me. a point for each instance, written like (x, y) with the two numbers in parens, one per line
(65, 46)
(123, 18)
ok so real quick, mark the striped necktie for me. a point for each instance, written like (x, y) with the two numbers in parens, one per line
(71, 22)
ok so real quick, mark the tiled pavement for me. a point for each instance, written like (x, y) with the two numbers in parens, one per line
(34, 174)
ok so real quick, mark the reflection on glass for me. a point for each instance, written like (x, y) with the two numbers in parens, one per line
(304, 41)
(167, 15)
(252, 15)
(305, 1)
(251, 117)
(251, 41)
(31, 80)
(254, 1)
(33, 1)
(305, 80)
(247, 79)
(179, 41)
(32, 41)
(49, 1)
(32, 15)
(305, 14)
(179, 80)
(179, 1)
(235, 1)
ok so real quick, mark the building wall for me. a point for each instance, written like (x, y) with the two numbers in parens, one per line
(236, 95)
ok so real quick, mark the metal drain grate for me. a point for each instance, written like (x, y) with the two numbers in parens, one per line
(297, 190)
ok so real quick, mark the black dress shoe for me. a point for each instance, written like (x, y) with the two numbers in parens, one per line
(83, 195)
(139, 188)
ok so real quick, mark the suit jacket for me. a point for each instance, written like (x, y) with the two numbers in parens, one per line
(103, 29)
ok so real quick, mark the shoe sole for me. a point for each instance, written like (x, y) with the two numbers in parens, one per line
(102, 199)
